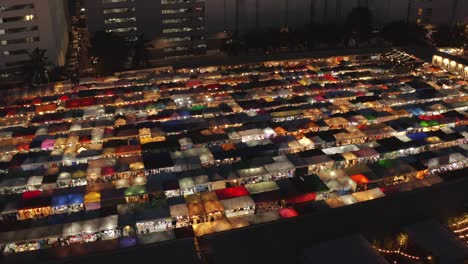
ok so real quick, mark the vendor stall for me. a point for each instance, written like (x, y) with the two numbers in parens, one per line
(136, 194)
(149, 220)
(238, 206)
(179, 214)
(92, 201)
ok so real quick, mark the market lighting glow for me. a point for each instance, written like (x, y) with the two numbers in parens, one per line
(152, 138)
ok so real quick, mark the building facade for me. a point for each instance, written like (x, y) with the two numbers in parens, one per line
(182, 27)
(29, 24)
(249, 15)
(175, 27)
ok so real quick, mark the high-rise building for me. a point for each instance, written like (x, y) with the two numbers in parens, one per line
(249, 15)
(441, 12)
(175, 27)
(182, 27)
(29, 24)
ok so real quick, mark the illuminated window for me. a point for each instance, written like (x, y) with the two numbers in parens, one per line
(176, 20)
(118, 10)
(122, 30)
(119, 20)
(175, 11)
(29, 17)
(116, 1)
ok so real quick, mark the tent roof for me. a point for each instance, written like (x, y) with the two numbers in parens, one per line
(262, 187)
(231, 192)
(238, 202)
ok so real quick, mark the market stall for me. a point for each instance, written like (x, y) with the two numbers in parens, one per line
(92, 201)
(149, 220)
(136, 194)
(243, 205)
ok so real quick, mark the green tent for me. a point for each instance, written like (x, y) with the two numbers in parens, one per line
(135, 190)
(433, 123)
(424, 123)
(385, 163)
(198, 107)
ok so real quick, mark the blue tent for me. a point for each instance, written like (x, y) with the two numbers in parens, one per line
(75, 198)
(59, 200)
(417, 136)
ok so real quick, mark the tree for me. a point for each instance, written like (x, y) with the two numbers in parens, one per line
(402, 33)
(359, 23)
(446, 35)
(59, 73)
(140, 53)
(110, 51)
(36, 70)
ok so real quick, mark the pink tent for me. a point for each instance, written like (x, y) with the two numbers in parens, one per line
(48, 144)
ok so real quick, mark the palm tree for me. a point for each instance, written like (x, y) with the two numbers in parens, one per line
(36, 69)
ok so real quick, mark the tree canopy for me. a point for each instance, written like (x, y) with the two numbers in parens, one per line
(111, 52)
(401, 33)
(36, 70)
(359, 22)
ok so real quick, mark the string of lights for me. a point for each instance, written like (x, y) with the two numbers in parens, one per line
(398, 252)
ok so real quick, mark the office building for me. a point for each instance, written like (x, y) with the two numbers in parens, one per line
(249, 15)
(29, 24)
(183, 27)
(175, 27)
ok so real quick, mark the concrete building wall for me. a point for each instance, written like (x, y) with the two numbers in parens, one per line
(442, 11)
(29, 24)
(221, 14)
(249, 15)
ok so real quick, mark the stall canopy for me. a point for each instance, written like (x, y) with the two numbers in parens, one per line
(262, 187)
(231, 192)
(368, 195)
(135, 190)
(238, 202)
(92, 197)
(196, 209)
(178, 210)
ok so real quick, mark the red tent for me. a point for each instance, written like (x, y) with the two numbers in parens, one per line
(232, 192)
(360, 178)
(302, 198)
(82, 102)
(287, 212)
(31, 195)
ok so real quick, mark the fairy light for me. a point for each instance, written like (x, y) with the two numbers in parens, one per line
(460, 230)
(397, 252)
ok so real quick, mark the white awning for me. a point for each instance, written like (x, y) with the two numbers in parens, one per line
(238, 202)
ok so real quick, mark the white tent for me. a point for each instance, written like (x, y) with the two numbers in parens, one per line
(179, 210)
(368, 195)
(262, 187)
